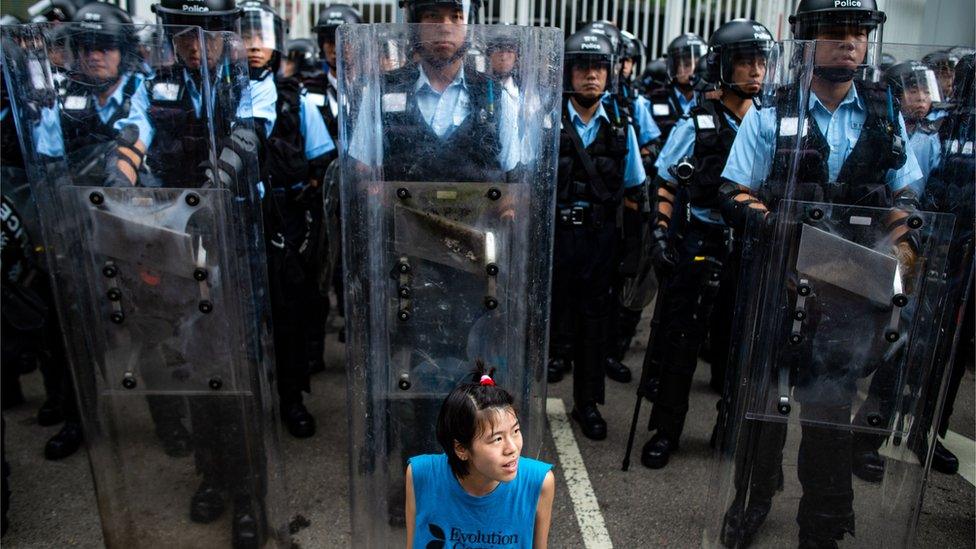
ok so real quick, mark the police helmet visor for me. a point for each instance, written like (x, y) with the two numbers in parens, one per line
(743, 65)
(918, 89)
(261, 29)
(682, 61)
(839, 25)
(587, 73)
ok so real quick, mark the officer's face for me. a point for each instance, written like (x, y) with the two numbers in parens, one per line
(627, 67)
(100, 64)
(442, 31)
(748, 73)
(916, 102)
(842, 47)
(685, 70)
(188, 49)
(589, 79)
(257, 54)
(502, 62)
(329, 48)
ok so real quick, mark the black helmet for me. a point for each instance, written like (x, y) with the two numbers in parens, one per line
(887, 61)
(687, 48)
(413, 8)
(261, 22)
(301, 51)
(103, 26)
(962, 85)
(332, 17)
(54, 10)
(501, 40)
(633, 48)
(734, 40)
(611, 31)
(812, 15)
(913, 74)
(588, 47)
(211, 15)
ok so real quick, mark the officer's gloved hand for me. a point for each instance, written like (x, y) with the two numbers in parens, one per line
(662, 253)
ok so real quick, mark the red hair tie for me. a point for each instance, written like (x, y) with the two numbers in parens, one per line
(486, 380)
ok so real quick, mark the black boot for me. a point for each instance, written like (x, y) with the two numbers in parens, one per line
(616, 370)
(556, 368)
(868, 465)
(207, 504)
(174, 437)
(49, 413)
(65, 443)
(300, 423)
(248, 526)
(752, 521)
(808, 541)
(943, 460)
(657, 451)
(591, 422)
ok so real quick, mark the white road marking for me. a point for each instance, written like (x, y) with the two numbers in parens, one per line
(965, 450)
(594, 530)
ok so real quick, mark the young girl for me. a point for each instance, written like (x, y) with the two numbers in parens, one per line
(479, 492)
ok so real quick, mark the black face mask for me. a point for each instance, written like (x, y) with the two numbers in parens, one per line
(586, 102)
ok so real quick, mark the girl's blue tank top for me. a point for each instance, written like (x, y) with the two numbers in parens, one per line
(448, 517)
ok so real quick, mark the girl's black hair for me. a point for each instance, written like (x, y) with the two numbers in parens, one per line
(458, 419)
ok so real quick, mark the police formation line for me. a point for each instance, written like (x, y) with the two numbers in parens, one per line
(800, 213)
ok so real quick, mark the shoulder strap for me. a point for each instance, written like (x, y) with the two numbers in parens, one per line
(597, 184)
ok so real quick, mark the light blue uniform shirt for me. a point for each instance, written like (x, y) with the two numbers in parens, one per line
(259, 103)
(683, 102)
(317, 139)
(928, 151)
(642, 115)
(633, 168)
(47, 134)
(681, 143)
(751, 157)
(443, 112)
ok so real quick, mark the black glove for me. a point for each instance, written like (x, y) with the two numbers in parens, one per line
(662, 254)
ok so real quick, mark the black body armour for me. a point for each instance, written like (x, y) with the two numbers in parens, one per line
(285, 161)
(608, 153)
(318, 86)
(665, 110)
(413, 152)
(182, 142)
(861, 180)
(950, 187)
(10, 143)
(713, 143)
(81, 126)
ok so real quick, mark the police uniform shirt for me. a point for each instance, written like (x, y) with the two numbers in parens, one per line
(443, 112)
(259, 103)
(681, 143)
(648, 128)
(47, 134)
(750, 159)
(317, 138)
(683, 102)
(634, 174)
(928, 150)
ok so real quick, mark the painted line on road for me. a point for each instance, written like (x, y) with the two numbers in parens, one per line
(965, 450)
(594, 530)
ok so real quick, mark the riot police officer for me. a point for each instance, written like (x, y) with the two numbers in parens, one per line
(599, 172)
(914, 86)
(853, 147)
(670, 103)
(301, 58)
(693, 158)
(323, 86)
(296, 155)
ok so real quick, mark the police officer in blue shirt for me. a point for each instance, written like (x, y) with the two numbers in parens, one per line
(323, 86)
(297, 153)
(693, 158)
(913, 84)
(853, 149)
(599, 172)
(670, 103)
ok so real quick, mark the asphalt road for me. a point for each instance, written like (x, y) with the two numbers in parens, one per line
(53, 503)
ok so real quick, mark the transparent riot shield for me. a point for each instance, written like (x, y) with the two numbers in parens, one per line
(153, 232)
(826, 434)
(447, 227)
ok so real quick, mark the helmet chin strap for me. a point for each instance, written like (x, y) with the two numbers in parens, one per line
(836, 75)
(586, 102)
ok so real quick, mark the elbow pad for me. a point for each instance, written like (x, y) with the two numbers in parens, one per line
(233, 162)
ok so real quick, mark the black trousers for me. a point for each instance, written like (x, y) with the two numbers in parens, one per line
(689, 295)
(584, 263)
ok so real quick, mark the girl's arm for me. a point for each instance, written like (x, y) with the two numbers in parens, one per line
(411, 509)
(543, 511)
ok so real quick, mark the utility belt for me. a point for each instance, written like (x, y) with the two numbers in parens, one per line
(709, 231)
(589, 215)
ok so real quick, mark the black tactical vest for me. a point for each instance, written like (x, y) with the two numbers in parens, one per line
(950, 187)
(413, 152)
(285, 161)
(628, 106)
(665, 110)
(861, 179)
(608, 153)
(318, 83)
(80, 124)
(182, 142)
(713, 143)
